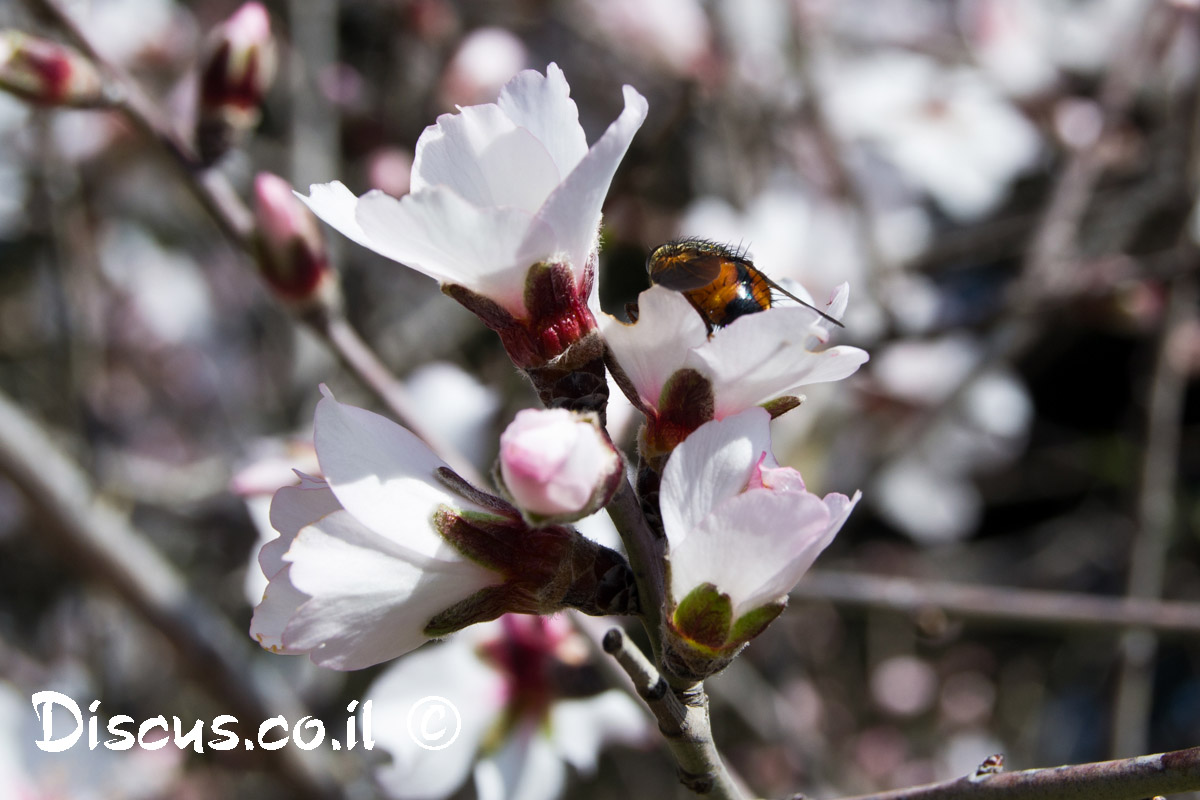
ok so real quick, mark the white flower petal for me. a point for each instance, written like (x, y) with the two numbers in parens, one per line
(580, 729)
(525, 768)
(292, 508)
(483, 156)
(277, 607)
(751, 546)
(438, 233)
(450, 670)
(543, 106)
(711, 466)
(383, 475)
(763, 356)
(650, 350)
(336, 204)
(370, 602)
(573, 210)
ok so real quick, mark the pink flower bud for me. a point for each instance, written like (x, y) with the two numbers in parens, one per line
(46, 72)
(557, 465)
(236, 72)
(291, 250)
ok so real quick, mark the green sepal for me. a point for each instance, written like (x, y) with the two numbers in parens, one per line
(752, 623)
(704, 616)
(781, 405)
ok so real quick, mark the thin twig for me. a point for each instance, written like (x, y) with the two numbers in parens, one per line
(1127, 779)
(364, 362)
(235, 220)
(95, 539)
(646, 553)
(682, 719)
(1156, 512)
(999, 604)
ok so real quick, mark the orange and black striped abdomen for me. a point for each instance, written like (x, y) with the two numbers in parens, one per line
(740, 289)
(720, 283)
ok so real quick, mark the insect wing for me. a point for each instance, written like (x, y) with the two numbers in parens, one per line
(683, 273)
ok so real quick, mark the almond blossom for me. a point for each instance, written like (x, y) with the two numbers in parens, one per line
(741, 531)
(504, 211)
(518, 729)
(557, 465)
(681, 377)
(391, 549)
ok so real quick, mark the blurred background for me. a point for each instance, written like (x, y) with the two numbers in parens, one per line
(1007, 185)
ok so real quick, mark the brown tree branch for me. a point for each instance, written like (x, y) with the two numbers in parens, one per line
(1156, 516)
(1000, 604)
(95, 540)
(236, 221)
(1127, 779)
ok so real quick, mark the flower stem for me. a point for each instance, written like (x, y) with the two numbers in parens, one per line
(646, 552)
(683, 720)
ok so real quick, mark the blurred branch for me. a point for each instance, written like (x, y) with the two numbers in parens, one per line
(210, 188)
(998, 604)
(1053, 249)
(1128, 779)
(96, 540)
(683, 721)
(315, 120)
(1054, 245)
(1156, 512)
(235, 219)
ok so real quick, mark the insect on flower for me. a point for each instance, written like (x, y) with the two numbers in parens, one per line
(720, 282)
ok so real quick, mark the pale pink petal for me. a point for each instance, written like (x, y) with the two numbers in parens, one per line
(543, 106)
(553, 462)
(791, 571)
(485, 158)
(712, 465)
(658, 344)
(450, 670)
(573, 209)
(369, 602)
(383, 475)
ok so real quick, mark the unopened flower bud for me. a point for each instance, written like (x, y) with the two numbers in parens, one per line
(238, 67)
(47, 72)
(291, 250)
(557, 465)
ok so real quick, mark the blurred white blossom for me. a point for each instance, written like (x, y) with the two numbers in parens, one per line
(948, 130)
(518, 731)
(486, 59)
